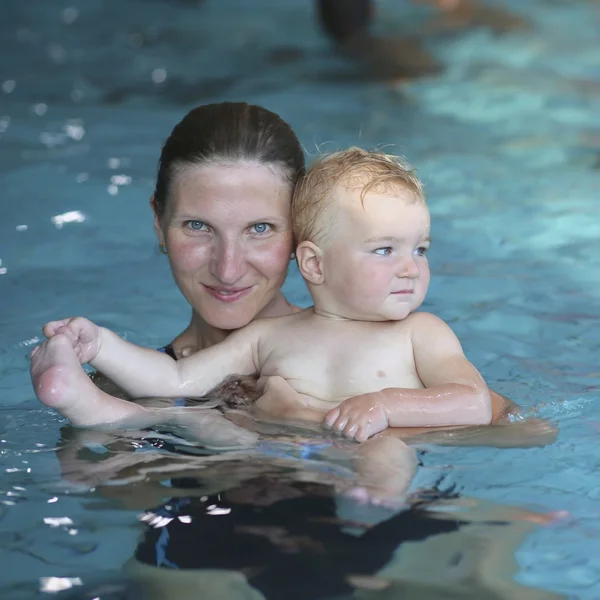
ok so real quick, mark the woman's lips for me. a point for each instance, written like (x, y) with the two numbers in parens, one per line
(227, 294)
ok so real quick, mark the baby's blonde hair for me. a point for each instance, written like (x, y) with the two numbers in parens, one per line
(354, 168)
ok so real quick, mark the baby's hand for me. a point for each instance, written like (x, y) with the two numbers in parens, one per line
(82, 333)
(357, 418)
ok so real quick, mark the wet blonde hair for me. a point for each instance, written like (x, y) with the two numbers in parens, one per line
(353, 168)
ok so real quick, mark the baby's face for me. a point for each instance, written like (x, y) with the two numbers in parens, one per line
(374, 263)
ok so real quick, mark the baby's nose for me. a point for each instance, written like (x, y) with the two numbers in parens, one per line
(408, 268)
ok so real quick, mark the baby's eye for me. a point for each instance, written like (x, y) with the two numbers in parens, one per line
(421, 250)
(260, 228)
(386, 251)
(196, 225)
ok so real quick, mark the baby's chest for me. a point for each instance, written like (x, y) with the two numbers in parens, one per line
(346, 365)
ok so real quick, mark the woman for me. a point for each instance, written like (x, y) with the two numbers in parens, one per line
(222, 216)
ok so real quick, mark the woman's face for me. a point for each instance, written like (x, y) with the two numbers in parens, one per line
(228, 234)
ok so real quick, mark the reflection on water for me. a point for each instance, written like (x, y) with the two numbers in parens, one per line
(279, 521)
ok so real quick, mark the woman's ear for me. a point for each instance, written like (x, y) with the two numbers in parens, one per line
(157, 224)
(309, 257)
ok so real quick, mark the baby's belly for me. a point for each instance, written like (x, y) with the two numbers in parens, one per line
(323, 395)
(324, 379)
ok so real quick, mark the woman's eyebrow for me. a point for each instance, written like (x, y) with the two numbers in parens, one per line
(267, 219)
(187, 215)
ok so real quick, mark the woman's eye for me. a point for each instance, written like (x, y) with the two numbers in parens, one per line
(196, 225)
(260, 228)
(384, 251)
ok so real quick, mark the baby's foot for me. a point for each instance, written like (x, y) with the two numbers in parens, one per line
(57, 376)
(60, 383)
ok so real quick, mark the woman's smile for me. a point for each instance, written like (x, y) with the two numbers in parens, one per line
(224, 294)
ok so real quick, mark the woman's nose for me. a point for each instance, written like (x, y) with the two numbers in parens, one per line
(228, 264)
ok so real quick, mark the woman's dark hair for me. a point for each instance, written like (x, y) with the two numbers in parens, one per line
(228, 132)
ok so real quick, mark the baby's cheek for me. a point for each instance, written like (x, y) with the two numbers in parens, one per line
(425, 276)
(348, 280)
(368, 281)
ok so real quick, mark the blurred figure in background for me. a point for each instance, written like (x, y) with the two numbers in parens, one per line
(348, 23)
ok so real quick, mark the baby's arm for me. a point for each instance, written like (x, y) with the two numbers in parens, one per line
(142, 372)
(454, 394)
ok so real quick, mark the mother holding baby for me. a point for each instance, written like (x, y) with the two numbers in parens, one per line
(222, 216)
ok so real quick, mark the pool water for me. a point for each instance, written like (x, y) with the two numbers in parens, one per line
(507, 140)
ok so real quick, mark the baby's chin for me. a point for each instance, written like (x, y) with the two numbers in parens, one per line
(396, 314)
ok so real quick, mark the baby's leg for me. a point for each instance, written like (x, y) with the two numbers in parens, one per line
(211, 429)
(281, 401)
(60, 383)
(385, 467)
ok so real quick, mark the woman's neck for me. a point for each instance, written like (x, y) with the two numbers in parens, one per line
(199, 334)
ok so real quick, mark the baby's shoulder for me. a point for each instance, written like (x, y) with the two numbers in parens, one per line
(424, 323)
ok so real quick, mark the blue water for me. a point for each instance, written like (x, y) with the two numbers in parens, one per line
(507, 139)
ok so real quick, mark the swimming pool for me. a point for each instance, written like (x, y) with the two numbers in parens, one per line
(507, 140)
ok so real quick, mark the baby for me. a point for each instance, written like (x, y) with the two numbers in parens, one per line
(359, 360)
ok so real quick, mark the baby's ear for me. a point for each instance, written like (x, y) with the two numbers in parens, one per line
(309, 257)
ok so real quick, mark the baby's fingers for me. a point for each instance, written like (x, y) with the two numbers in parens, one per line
(51, 328)
(351, 429)
(331, 417)
(363, 433)
(68, 333)
(338, 423)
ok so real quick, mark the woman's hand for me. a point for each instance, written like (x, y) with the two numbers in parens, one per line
(82, 333)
